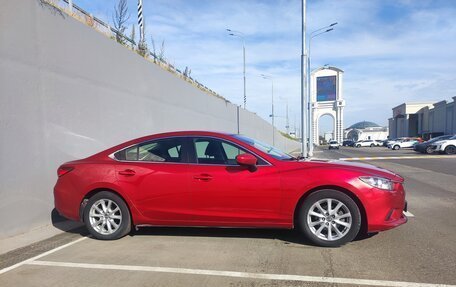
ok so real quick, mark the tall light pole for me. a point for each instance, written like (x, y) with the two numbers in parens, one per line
(314, 34)
(303, 81)
(240, 35)
(272, 105)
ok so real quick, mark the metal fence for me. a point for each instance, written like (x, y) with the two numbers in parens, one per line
(104, 28)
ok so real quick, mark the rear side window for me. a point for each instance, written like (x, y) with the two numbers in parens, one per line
(165, 150)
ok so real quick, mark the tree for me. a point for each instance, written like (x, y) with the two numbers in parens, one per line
(187, 72)
(142, 46)
(160, 56)
(119, 18)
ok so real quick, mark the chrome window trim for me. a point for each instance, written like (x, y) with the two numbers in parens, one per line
(111, 156)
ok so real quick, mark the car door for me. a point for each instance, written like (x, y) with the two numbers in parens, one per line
(155, 176)
(226, 194)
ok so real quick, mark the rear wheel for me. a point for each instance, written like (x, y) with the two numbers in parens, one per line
(450, 149)
(372, 145)
(329, 218)
(396, 147)
(106, 216)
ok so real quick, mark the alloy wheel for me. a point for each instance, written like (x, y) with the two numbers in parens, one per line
(329, 219)
(450, 150)
(105, 216)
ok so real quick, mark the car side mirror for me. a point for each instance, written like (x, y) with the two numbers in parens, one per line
(246, 159)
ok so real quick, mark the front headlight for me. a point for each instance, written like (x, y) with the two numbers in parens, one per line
(378, 182)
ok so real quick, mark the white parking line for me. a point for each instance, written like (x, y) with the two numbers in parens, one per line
(283, 277)
(40, 255)
(408, 214)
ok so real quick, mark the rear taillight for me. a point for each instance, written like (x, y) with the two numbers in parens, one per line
(64, 170)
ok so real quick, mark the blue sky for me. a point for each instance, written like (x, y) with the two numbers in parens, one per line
(391, 51)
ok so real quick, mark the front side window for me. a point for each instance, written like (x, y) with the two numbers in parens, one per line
(165, 150)
(215, 151)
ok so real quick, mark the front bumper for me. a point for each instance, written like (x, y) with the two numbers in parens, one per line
(385, 209)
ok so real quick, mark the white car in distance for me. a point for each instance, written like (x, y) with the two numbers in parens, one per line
(407, 143)
(447, 146)
(394, 140)
(333, 145)
(365, 143)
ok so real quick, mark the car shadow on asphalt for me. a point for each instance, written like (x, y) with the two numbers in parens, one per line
(286, 235)
(66, 225)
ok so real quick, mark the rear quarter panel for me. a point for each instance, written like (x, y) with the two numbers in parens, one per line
(70, 189)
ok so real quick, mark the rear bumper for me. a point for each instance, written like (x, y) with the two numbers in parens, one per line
(66, 202)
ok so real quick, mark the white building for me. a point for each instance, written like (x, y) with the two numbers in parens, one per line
(366, 131)
(328, 136)
(423, 119)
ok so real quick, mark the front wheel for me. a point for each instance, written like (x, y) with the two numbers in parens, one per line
(329, 218)
(396, 147)
(372, 145)
(429, 150)
(450, 149)
(107, 217)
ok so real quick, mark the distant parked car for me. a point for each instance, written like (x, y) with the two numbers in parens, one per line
(388, 142)
(445, 146)
(365, 143)
(333, 145)
(348, 143)
(407, 143)
(426, 147)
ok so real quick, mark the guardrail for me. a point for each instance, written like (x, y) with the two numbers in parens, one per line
(99, 25)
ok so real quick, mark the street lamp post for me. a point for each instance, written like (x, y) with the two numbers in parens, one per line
(240, 35)
(303, 81)
(272, 105)
(314, 34)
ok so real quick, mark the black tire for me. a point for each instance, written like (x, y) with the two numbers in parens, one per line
(124, 225)
(372, 145)
(351, 233)
(358, 145)
(429, 150)
(451, 149)
(396, 147)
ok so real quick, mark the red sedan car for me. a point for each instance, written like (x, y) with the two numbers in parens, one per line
(224, 180)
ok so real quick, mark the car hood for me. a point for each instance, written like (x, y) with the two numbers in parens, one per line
(362, 168)
(439, 142)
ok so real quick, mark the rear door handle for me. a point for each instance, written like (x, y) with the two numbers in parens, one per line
(203, 177)
(127, 172)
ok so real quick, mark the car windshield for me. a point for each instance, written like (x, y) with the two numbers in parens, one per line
(332, 142)
(435, 139)
(272, 151)
(453, 137)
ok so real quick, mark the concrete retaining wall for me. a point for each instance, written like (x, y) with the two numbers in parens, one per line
(67, 92)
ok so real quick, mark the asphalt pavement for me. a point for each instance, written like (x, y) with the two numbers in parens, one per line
(418, 253)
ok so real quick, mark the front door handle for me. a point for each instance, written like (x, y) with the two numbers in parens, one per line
(127, 172)
(203, 177)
